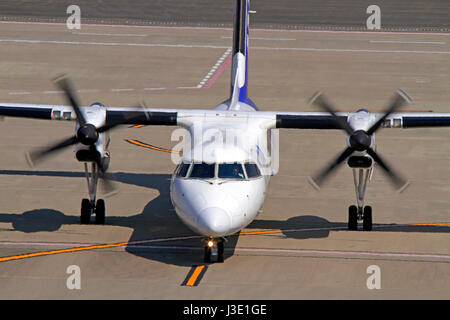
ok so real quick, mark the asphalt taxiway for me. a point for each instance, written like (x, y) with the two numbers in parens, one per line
(411, 15)
(298, 247)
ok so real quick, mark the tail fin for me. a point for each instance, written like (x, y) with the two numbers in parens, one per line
(239, 73)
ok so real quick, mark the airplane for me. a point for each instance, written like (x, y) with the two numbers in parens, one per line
(217, 187)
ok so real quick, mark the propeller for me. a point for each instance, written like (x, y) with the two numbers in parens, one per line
(360, 140)
(87, 134)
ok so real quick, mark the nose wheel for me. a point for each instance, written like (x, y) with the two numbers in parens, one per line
(88, 208)
(367, 218)
(214, 249)
(352, 218)
(356, 214)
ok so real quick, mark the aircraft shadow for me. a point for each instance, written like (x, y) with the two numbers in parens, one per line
(156, 222)
(308, 226)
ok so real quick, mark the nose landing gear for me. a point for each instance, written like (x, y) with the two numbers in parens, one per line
(91, 206)
(214, 248)
(360, 212)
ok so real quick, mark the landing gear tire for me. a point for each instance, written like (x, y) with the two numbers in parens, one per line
(367, 218)
(352, 218)
(100, 212)
(214, 249)
(220, 250)
(207, 256)
(86, 211)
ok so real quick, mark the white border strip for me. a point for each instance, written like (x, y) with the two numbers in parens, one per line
(412, 32)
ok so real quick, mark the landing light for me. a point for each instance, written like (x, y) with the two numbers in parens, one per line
(210, 243)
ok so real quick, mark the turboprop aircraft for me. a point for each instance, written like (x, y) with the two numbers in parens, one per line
(220, 180)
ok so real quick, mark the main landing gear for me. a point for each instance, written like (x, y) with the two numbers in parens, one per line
(214, 248)
(91, 206)
(360, 212)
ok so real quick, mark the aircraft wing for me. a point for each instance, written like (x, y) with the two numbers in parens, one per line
(153, 116)
(418, 119)
(322, 120)
(307, 120)
(113, 115)
(35, 111)
(171, 117)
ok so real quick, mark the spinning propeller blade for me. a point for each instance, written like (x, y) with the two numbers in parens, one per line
(65, 84)
(399, 99)
(319, 178)
(87, 134)
(400, 183)
(360, 140)
(319, 100)
(36, 156)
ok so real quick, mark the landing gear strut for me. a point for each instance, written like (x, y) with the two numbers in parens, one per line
(91, 206)
(360, 212)
(214, 248)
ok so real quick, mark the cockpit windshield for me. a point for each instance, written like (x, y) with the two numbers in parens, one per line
(252, 170)
(231, 171)
(203, 171)
(182, 169)
(237, 170)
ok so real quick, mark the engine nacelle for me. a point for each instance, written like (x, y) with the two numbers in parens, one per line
(95, 115)
(87, 155)
(362, 162)
(91, 155)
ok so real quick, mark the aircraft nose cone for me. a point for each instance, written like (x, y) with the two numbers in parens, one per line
(215, 221)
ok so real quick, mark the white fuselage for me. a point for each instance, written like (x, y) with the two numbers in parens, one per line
(217, 206)
(214, 208)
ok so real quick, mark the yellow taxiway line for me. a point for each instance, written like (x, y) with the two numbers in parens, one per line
(46, 253)
(193, 278)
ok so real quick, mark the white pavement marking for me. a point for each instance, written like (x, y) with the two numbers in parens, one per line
(88, 90)
(214, 68)
(113, 43)
(122, 90)
(154, 89)
(99, 90)
(268, 39)
(218, 47)
(368, 255)
(351, 50)
(19, 92)
(407, 42)
(110, 34)
(52, 92)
